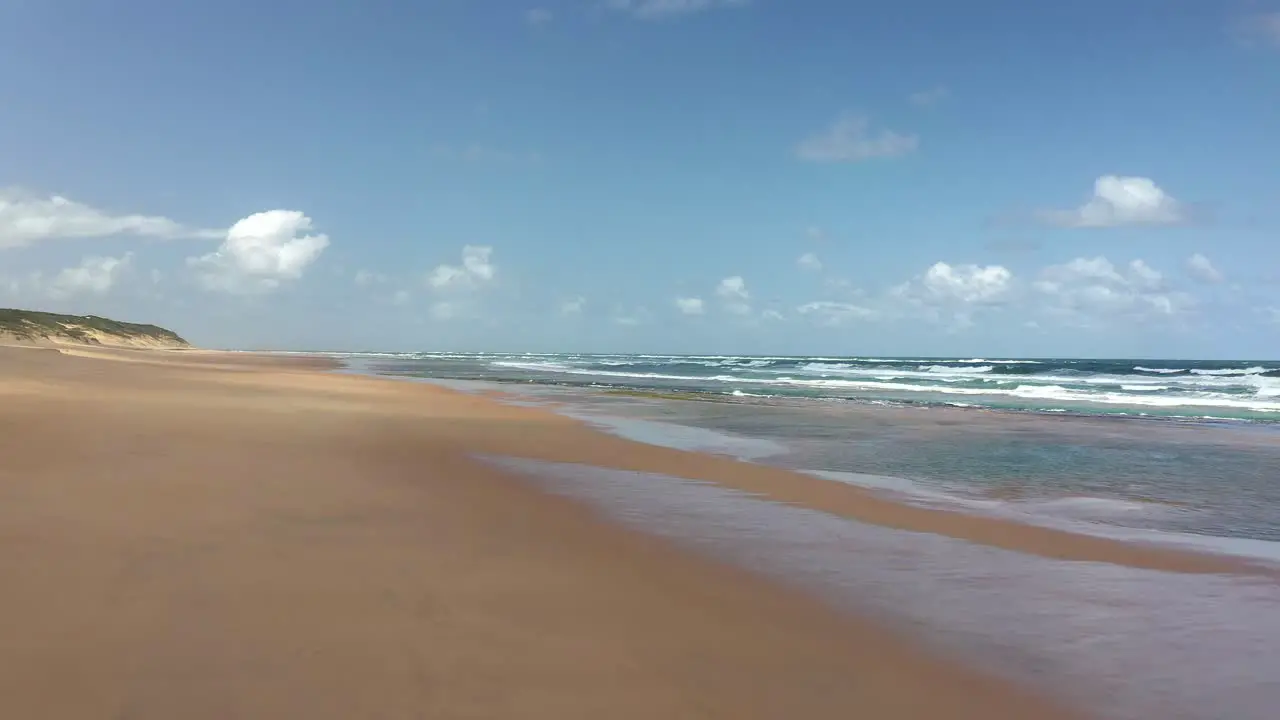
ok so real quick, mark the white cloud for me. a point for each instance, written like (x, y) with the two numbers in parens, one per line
(733, 287)
(690, 305)
(953, 293)
(809, 261)
(660, 9)
(93, 276)
(1121, 201)
(476, 269)
(26, 219)
(835, 313)
(538, 17)
(1092, 290)
(733, 292)
(1144, 277)
(946, 284)
(573, 306)
(930, 97)
(850, 139)
(771, 315)
(1203, 270)
(261, 252)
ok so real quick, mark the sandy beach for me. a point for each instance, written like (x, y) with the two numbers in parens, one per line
(205, 535)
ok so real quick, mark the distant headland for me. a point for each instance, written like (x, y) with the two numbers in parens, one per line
(33, 327)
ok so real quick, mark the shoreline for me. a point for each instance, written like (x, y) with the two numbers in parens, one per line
(957, 519)
(349, 558)
(357, 473)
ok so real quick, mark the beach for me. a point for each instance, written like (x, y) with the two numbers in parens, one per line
(197, 535)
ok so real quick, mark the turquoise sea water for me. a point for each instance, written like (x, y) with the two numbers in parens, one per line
(1196, 451)
(1242, 390)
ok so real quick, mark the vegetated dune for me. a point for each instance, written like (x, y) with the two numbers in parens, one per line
(42, 328)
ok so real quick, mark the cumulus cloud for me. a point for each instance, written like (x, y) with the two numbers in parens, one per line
(662, 9)
(953, 293)
(835, 313)
(850, 139)
(26, 219)
(690, 305)
(477, 269)
(946, 284)
(261, 252)
(732, 291)
(1203, 270)
(1093, 290)
(809, 261)
(93, 276)
(1121, 201)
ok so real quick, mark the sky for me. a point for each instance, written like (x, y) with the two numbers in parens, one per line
(1098, 178)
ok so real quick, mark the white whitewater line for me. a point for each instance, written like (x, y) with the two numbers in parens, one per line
(1030, 387)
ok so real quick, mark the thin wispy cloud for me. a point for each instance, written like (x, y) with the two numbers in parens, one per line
(538, 17)
(30, 219)
(809, 261)
(851, 139)
(1258, 29)
(666, 9)
(929, 97)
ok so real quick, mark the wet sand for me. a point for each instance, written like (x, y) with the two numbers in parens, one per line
(200, 535)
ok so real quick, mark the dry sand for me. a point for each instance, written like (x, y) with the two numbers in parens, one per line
(188, 535)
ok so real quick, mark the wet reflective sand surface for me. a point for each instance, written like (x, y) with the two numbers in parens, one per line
(1117, 642)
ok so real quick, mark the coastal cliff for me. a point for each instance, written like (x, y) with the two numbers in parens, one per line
(32, 327)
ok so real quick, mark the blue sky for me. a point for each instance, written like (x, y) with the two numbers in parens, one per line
(909, 177)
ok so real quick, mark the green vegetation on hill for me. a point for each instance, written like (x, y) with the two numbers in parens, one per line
(30, 325)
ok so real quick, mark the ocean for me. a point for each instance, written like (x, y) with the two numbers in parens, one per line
(1191, 447)
(1234, 390)
(1176, 453)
